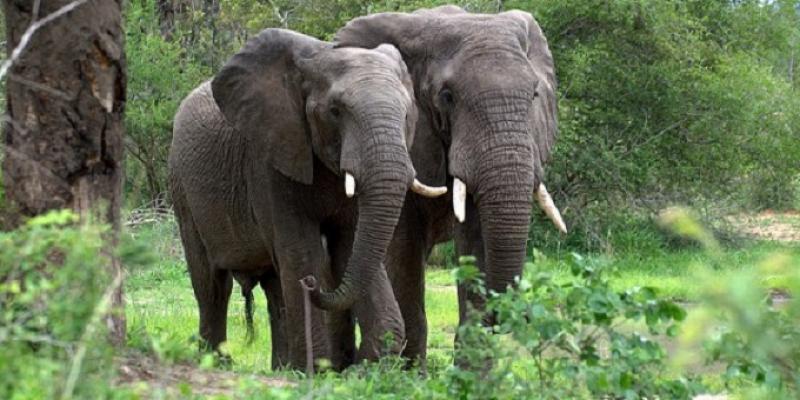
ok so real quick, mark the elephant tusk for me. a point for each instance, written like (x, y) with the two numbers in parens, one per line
(349, 185)
(546, 203)
(459, 199)
(427, 191)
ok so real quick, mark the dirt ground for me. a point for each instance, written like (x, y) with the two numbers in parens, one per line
(147, 374)
(769, 225)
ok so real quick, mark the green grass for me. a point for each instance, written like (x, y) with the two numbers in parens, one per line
(162, 312)
(674, 273)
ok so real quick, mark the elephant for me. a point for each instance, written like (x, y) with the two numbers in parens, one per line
(255, 170)
(485, 87)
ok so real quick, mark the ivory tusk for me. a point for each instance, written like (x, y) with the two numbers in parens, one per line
(459, 199)
(349, 185)
(546, 203)
(427, 191)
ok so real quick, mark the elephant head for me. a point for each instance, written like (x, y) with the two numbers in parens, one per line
(486, 87)
(297, 100)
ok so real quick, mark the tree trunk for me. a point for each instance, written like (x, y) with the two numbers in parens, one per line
(210, 12)
(63, 136)
(166, 18)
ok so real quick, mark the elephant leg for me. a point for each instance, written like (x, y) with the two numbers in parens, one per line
(380, 321)
(405, 262)
(277, 320)
(378, 315)
(341, 331)
(341, 325)
(469, 242)
(299, 254)
(212, 287)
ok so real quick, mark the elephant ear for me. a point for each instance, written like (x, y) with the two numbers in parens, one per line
(410, 34)
(543, 116)
(404, 31)
(399, 29)
(259, 90)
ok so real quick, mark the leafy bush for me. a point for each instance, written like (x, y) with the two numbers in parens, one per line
(443, 255)
(161, 75)
(744, 322)
(55, 293)
(573, 339)
(664, 102)
(51, 288)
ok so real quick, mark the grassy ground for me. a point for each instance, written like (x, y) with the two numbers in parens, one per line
(162, 313)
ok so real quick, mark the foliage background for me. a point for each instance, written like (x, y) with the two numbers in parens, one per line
(692, 101)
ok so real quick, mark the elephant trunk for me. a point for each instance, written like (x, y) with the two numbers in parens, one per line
(503, 179)
(385, 176)
(505, 219)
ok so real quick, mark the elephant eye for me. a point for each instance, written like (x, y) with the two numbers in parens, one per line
(446, 97)
(335, 111)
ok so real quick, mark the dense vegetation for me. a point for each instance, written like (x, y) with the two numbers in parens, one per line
(688, 101)
(577, 327)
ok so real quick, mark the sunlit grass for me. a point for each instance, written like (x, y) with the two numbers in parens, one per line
(163, 318)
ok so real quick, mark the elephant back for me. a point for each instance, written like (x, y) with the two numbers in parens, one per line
(207, 163)
(199, 112)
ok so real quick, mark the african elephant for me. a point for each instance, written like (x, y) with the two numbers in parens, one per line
(256, 167)
(485, 86)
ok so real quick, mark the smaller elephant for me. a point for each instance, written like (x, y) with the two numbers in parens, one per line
(256, 167)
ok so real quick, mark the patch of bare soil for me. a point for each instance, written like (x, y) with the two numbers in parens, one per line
(769, 225)
(134, 369)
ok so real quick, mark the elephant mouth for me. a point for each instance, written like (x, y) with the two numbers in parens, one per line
(543, 199)
(416, 187)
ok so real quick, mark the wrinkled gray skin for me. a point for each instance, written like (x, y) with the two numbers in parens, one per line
(485, 87)
(256, 172)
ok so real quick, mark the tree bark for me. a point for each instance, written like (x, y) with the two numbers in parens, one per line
(65, 104)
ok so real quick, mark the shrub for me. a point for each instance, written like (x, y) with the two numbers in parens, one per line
(51, 288)
(744, 322)
(443, 255)
(664, 102)
(54, 292)
(573, 339)
(161, 75)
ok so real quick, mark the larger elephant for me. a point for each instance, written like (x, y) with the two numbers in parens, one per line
(486, 90)
(263, 161)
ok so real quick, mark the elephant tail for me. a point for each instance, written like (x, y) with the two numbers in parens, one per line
(247, 293)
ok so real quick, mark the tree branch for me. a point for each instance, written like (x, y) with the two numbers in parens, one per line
(35, 25)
